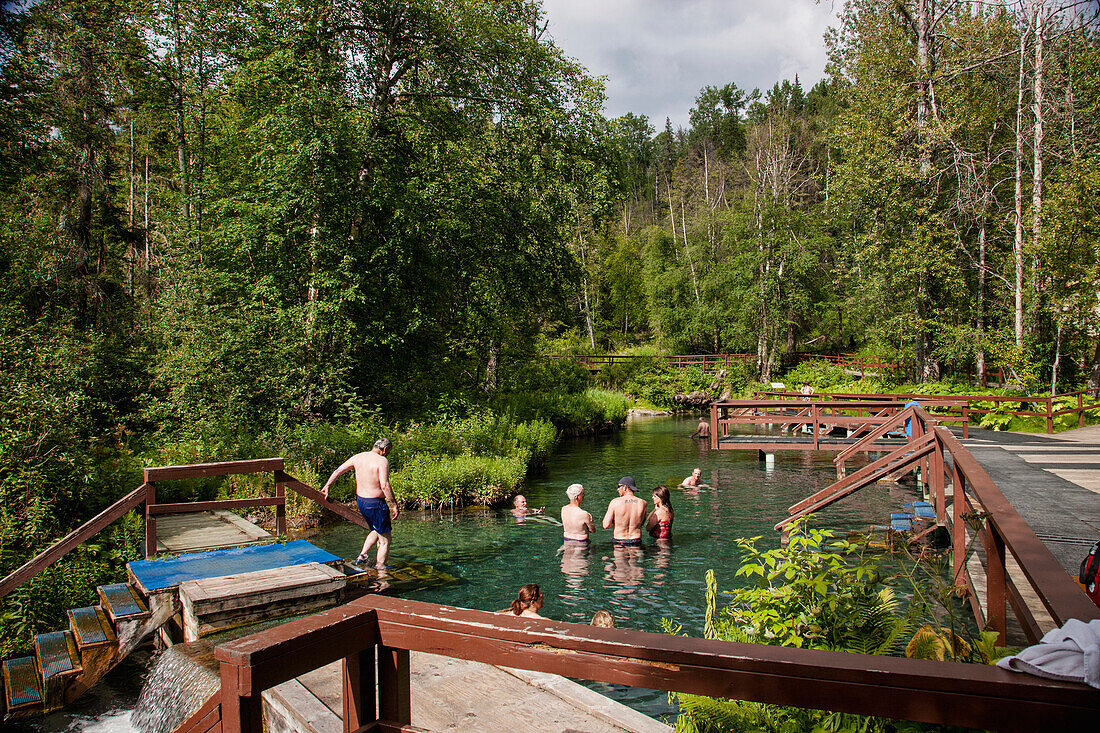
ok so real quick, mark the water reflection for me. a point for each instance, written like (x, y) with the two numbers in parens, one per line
(574, 564)
(624, 568)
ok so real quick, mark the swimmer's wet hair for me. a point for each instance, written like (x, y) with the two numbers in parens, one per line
(603, 618)
(383, 444)
(574, 491)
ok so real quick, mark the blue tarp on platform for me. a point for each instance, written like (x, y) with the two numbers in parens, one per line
(157, 574)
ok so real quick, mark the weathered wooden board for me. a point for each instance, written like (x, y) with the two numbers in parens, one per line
(198, 531)
(213, 604)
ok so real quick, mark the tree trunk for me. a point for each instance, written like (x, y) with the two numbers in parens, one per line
(687, 251)
(1037, 109)
(1094, 372)
(925, 13)
(1057, 358)
(181, 120)
(1018, 245)
(981, 305)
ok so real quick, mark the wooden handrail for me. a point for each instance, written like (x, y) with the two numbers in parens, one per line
(979, 696)
(345, 512)
(1057, 591)
(206, 470)
(71, 541)
(866, 443)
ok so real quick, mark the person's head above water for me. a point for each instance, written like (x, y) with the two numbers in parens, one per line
(627, 482)
(530, 596)
(574, 492)
(520, 502)
(603, 618)
(661, 495)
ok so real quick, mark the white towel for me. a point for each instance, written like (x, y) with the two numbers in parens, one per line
(1071, 654)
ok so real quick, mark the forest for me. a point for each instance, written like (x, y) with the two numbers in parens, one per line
(232, 229)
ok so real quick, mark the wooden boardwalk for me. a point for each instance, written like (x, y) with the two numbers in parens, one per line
(1053, 481)
(452, 695)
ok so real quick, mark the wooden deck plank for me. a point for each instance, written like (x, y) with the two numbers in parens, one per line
(195, 532)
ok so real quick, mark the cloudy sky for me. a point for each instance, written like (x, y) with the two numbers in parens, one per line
(658, 54)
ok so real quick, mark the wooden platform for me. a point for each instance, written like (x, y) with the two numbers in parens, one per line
(212, 530)
(458, 695)
(231, 601)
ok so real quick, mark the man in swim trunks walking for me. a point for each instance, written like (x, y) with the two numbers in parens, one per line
(576, 523)
(372, 494)
(627, 513)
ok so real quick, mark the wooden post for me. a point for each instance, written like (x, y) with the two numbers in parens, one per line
(240, 713)
(150, 520)
(714, 426)
(815, 414)
(280, 510)
(966, 420)
(936, 481)
(394, 704)
(360, 688)
(1080, 411)
(1050, 415)
(958, 525)
(995, 585)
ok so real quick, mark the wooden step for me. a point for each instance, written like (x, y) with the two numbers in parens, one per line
(23, 694)
(58, 660)
(57, 654)
(122, 603)
(90, 627)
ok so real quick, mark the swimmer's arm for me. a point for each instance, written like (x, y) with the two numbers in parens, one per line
(651, 521)
(610, 516)
(589, 523)
(344, 468)
(387, 490)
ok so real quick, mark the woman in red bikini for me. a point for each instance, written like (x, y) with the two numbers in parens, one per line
(659, 522)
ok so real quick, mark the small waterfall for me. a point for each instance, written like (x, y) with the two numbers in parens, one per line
(182, 679)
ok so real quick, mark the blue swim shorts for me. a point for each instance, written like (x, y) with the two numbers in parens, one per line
(376, 512)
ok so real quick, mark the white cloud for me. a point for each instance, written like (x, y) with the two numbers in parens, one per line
(658, 54)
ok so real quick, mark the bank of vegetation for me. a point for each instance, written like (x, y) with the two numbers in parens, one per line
(233, 230)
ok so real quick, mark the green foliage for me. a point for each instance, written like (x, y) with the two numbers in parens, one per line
(817, 592)
(819, 374)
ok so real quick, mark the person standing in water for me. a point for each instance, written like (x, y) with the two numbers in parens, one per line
(659, 522)
(627, 513)
(702, 430)
(576, 522)
(373, 495)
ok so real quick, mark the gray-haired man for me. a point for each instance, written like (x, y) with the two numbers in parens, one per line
(372, 494)
(576, 522)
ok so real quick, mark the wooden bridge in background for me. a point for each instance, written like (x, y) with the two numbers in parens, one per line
(851, 363)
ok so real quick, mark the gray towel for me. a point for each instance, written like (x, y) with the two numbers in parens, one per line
(1070, 654)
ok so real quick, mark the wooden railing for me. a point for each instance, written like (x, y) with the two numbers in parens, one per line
(817, 416)
(944, 463)
(145, 495)
(374, 636)
(710, 362)
(962, 408)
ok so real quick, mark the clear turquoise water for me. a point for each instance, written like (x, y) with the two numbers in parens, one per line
(493, 554)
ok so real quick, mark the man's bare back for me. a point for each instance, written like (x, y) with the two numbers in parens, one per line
(627, 513)
(372, 475)
(576, 523)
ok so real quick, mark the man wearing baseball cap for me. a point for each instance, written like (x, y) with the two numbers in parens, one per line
(627, 512)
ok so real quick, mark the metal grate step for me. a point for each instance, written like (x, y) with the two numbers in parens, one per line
(22, 684)
(121, 602)
(57, 654)
(90, 626)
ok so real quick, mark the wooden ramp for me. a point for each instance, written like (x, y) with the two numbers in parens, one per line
(199, 531)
